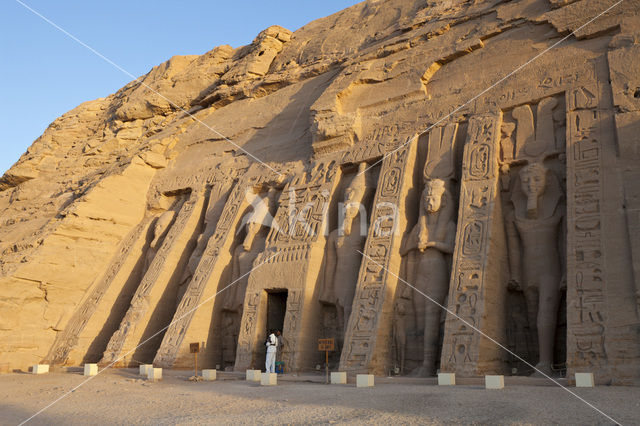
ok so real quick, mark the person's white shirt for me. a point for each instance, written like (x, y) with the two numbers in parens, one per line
(272, 343)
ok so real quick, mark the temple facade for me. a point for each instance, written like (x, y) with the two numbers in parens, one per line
(408, 197)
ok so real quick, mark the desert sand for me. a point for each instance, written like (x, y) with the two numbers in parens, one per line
(120, 396)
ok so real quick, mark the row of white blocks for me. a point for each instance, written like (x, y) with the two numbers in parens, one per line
(271, 379)
(150, 372)
(265, 379)
(583, 380)
(444, 379)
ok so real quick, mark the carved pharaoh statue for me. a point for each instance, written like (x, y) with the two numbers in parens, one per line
(398, 330)
(243, 257)
(427, 247)
(533, 229)
(343, 249)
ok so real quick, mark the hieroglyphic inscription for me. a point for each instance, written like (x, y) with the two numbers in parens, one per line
(303, 205)
(586, 275)
(298, 228)
(292, 323)
(139, 302)
(383, 141)
(382, 240)
(67, 339)
(195, 179)
(250, 316)
(466, 292)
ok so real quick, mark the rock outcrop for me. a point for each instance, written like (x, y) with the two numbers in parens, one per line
(490, 147)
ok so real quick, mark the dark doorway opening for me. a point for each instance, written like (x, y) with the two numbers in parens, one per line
(276, 309)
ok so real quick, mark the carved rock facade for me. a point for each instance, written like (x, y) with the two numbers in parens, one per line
(486, 231)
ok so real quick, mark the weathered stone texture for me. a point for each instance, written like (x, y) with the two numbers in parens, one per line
(321, 181)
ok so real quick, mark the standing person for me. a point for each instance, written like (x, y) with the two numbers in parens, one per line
(271, 344)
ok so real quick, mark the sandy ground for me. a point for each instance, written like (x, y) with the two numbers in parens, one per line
(122, 397)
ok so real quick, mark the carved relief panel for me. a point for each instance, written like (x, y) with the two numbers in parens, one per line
(291, 261)
(586, 272)
(476, 293)
(369, 327)
(205, 280)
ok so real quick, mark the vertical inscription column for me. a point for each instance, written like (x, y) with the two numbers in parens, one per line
(367, 340)
(478, 285)
(586, 276)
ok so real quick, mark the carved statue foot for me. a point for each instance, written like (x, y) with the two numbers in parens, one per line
(422, 371)
(544, 368)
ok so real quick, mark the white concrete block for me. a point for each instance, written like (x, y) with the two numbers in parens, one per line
(144, 368)
(364, 380)
(90, 369)
(269, 379)
(253, 375)
(209, 374)
(154, 373)
(40, 369)
(338, 378)
(584, 380)
(446, 379)
(493, 382)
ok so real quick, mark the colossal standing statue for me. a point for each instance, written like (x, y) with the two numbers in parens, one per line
(343, 249)
(534, 222)
(243, 257)
(533, 231)
(430, 242)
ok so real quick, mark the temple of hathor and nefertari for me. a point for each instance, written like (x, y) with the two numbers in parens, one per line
(415, 180)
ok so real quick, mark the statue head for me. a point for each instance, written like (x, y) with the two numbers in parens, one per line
(432, 195)
(533, 181)
(161, 226)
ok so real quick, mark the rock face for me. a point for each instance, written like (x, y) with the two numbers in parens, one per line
(304, 181)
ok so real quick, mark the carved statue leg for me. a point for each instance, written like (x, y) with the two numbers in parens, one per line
(342, 325)
(401, 355)
(531, 298)
(438, 286)
(412, 261)
(547, 320)
(419, 304)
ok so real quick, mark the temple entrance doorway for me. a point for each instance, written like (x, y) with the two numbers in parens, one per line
(276, 309)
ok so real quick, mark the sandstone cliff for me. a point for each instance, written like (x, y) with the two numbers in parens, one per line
(347, 86)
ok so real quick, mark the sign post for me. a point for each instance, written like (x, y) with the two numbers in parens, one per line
(326, 345)
(194, 348)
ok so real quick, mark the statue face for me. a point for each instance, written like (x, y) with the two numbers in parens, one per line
(432, 198)
(533, 181)
(351, 202)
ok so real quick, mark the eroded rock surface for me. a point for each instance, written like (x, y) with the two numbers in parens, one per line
(514, 202)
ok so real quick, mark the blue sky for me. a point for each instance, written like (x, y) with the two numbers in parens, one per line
(44, 73)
